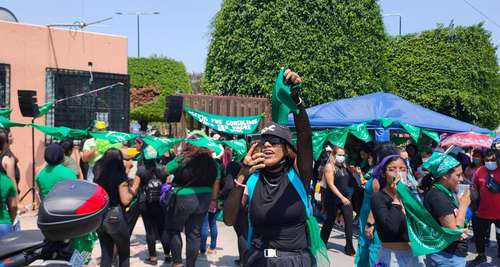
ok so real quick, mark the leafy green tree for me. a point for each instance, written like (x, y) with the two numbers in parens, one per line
(168, 75)
(338, 47)
(452, 70)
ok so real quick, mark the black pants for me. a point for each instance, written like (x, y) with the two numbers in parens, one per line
(107, 242)
(132, 214)
(154, 223)
(188, 214)
(255, 258)
(333, 203)
(481, 229)
(357, 199)
(241, 229)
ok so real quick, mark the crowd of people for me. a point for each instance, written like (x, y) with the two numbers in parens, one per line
(265, 196)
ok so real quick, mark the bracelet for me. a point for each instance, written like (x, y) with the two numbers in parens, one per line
(300, 101)
(239, 184)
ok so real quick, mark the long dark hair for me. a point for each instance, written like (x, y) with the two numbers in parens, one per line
(4, 140)
(383, 150)
(110, 165)
(189, 152)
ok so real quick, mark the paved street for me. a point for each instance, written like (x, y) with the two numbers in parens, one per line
(227, 250)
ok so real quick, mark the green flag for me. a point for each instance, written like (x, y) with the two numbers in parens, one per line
(425, 234)
(45, 108)
(385, 122)
(432, 135)
(114, 137)
(60, 132)
(361, 132)
(5, 112)
(338, 137)
(414, 131)
(208, 143)
(161, 145)
(6, 123)
(282, 102)
(239, 148)
(226, 124)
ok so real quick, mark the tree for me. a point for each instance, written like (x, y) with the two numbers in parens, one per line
(452, 70)
(337, 46)
(167, 75)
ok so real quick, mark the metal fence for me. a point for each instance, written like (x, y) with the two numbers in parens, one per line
(221, 105)
(110, 105)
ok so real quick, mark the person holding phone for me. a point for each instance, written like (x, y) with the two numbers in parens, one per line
(442, 204)
(273, 176)
(390, 217)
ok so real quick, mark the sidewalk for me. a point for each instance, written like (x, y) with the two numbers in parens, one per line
(227, 250)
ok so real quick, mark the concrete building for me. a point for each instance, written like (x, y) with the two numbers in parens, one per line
(57, 63)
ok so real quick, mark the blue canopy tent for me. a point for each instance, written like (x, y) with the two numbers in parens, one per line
(370, 108)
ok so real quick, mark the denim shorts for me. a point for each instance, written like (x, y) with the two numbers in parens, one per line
(5, 229)
(443, 259)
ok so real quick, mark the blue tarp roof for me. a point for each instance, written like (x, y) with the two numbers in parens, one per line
(369, 108)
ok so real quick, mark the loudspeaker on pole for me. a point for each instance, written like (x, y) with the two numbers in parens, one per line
(173, 111)
(27, 103)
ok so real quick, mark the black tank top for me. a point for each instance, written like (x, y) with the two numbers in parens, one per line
(278, 214)
(343, 181)
(17, 173)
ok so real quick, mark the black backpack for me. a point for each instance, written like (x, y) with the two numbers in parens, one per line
(152, 190)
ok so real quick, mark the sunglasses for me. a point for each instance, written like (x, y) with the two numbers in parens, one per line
(273, 140)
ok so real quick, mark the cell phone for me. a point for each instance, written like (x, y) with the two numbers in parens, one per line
(462, 188)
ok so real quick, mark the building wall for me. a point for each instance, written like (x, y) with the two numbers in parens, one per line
(29, 50)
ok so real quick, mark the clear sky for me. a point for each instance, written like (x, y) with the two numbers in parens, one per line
(182, 29)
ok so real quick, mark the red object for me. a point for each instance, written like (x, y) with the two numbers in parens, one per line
(468, 139)
(94, 203)
(489, 207)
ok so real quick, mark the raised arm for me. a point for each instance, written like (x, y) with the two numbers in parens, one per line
(304, 161)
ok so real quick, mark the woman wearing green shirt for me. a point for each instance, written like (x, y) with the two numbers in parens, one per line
(8, 195)
(55, 171)
(195, 175)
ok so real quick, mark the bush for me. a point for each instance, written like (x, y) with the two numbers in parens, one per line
(337, 46)
(452, 70)
(168, 75)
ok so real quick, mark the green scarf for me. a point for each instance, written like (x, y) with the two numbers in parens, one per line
(425, 234)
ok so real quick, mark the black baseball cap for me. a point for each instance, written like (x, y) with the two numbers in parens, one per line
(278, 130)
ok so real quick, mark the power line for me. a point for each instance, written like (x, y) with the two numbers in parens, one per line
(482, 14)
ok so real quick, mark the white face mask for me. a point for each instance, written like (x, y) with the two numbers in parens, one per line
(491, 165)
(339, 159)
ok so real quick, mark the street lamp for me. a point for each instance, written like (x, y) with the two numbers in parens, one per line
(138, 15)
(395, 15)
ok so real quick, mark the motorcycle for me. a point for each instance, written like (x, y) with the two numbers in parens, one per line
(72, 209)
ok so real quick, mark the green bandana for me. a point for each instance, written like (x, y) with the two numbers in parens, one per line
(439, 164)
(447, 192)
(425, 234)
(282, 102)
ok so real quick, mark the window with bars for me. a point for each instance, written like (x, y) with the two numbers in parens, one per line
(4, 86)
(111, 105)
